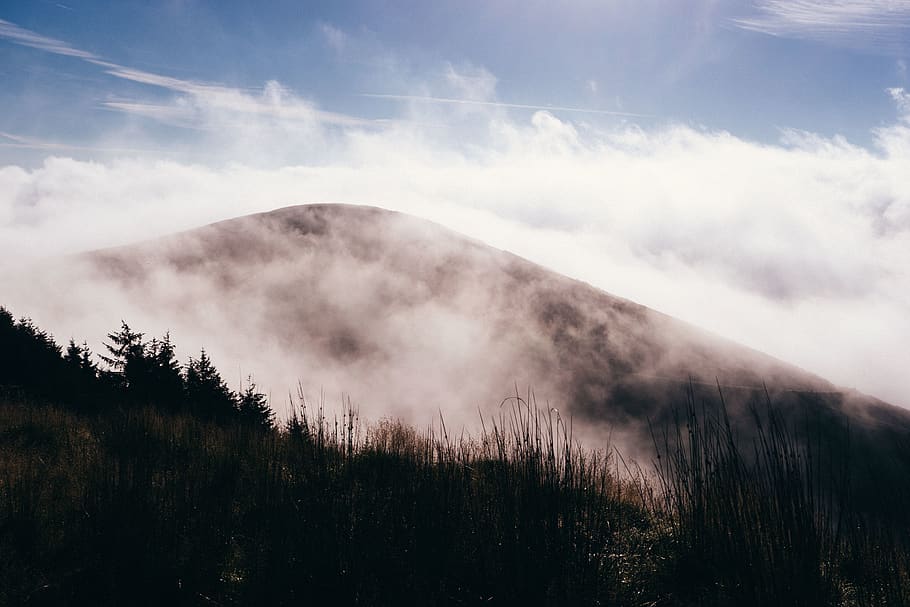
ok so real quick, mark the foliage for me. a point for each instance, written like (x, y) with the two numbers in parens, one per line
(135, 373)
(253, 407)
(32, 363)
(144, 507)
(206, 392)
(141, 501)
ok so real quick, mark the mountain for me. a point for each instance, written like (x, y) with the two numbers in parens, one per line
(410, 319)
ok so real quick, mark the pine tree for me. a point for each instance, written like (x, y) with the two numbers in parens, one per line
(253, 407)
(147, 372)
(80, 357)
(73, 353)
(164, 382)
(29, 357)
(84, 389)
(126, 348)
(206, 391)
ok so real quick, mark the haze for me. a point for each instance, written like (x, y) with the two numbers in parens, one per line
(748, 176)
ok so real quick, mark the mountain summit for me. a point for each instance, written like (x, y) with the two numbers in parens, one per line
(409, 318)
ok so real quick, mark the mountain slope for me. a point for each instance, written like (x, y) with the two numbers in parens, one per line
(409, 318)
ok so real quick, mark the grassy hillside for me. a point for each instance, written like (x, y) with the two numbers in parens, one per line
(120, 492)
(143, 507)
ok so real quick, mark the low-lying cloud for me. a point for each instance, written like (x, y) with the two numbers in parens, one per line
(799, 249)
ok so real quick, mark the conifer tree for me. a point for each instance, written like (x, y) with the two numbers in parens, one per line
(253, 407)
(8, 356)
(147, 372)
(30, 357)
(126, 348)
(80, 357)
(165, 384)
(206, 391)
(73, 353)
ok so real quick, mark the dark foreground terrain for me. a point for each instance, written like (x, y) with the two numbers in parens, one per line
(119, 486)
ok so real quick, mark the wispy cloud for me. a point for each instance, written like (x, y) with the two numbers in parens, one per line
(902, 98)
(19, 35)
(272, 100)
(172, 114)
(207, 105)
(334, 37)
(874, 25)
(11, 140)
(502, 104)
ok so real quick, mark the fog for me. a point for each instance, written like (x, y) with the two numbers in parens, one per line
(406, 318)
(798, 249)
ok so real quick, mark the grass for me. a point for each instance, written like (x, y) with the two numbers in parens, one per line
(778, 521)
(136, 506)
(141, 507)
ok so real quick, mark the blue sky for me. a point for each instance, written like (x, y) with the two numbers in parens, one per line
(742, 165)
(751, 68)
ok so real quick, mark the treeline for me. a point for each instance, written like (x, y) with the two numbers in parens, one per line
(134, 371)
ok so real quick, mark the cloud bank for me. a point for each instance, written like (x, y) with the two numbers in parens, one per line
(799, 249)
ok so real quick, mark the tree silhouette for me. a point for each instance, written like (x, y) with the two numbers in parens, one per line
(206, 392)
(31, 362)
(164, 381)
(147, 373)
(137, 372)
(125, 349)
(29, 358)
(80, 357)
(82, 376)
(253, 407)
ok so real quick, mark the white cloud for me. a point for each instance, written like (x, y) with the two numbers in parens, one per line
(902, 99)
(798, 249)
(19, 141)
(202, 98)
(273, 100)
(337, 39)
(471, 83)
(207, 106)
(876, 25)
(19, 35)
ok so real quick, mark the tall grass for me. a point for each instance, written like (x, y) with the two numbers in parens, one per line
(774, 521)
(139, 507)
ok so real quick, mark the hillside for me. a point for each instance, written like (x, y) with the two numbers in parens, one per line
(408, 318)
(141, 480)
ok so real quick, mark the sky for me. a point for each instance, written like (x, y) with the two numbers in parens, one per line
(742, 165)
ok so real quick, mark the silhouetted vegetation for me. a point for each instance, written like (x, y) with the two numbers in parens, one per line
(32, 363)
(135, 372)
(141, 481)
(782, 519)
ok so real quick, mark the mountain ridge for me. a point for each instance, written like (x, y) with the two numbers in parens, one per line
(399, 311)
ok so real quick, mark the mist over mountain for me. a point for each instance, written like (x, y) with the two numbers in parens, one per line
(409, 319)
